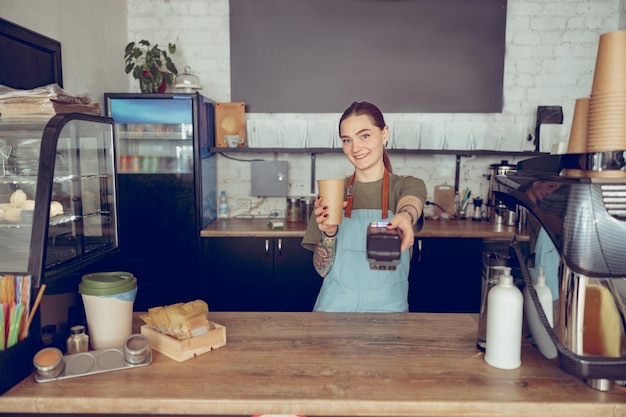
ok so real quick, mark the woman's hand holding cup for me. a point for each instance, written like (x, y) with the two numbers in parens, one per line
(322, 215)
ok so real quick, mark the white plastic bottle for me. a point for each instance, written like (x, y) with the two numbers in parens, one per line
(222, 212)
(540, 336)
(544, 294)
(504, 324)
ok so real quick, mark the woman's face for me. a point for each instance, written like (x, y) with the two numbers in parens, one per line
(362, 141)
(541, 189)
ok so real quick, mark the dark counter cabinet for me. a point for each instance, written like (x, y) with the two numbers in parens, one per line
(258, 274)
(241, 274)
(445, 275)
(277, 274)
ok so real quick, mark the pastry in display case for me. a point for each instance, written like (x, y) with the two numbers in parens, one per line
(58, 209)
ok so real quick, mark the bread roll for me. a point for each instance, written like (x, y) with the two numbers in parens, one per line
(13, 214)
(55, 208)
(28, 205)
(17, 198)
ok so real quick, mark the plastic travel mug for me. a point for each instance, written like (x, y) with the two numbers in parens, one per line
(108, 298)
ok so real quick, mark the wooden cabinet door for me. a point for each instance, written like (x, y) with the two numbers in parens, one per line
(296, 283)
(237, 274)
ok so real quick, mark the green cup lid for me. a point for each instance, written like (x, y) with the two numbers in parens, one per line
(107, 283)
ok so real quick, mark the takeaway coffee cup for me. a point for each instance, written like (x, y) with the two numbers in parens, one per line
(331, 192)
(108, 298)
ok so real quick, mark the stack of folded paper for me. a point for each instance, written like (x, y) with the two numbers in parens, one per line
(46, 100)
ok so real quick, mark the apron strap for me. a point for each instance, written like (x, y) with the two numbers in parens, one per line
(384, 196)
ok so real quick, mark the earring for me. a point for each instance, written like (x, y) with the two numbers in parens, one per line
(385, 144)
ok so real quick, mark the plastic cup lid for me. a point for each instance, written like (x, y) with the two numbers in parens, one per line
(107, 283)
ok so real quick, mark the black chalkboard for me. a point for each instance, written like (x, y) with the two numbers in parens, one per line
(312, 56)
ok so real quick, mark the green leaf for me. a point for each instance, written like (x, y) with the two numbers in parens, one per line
(138, 73)
(171, 67)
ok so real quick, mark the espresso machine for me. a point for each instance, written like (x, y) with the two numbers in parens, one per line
(584, 216)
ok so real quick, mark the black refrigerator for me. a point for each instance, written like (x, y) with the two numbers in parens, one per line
(167, 181)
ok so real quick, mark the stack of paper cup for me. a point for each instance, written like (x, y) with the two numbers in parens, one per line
(606, 122)
(578, 133)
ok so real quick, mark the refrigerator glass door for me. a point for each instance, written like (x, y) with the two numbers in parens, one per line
(153, 135)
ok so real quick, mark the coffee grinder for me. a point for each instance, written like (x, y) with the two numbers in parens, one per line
(585, 219)
(497, 211)
(478, 209)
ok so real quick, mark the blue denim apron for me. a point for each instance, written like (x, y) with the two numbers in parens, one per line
(351, 286)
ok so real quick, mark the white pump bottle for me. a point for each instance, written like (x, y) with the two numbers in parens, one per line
(504, 324)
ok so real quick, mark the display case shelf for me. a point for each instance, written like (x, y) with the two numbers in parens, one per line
(153, 135)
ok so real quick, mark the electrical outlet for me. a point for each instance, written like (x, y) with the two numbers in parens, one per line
(243, 204)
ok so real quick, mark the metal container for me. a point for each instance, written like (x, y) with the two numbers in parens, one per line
(306, 209)
(49, 362)
(136, 349)
(496, 210)
(293, 210)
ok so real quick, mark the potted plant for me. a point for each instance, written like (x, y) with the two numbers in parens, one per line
(151, 65)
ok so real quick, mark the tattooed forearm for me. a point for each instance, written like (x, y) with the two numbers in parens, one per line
(324, 255)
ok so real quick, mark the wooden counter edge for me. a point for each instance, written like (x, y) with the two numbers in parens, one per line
(244, 227)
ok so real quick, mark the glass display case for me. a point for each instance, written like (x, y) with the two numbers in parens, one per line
(58, 194)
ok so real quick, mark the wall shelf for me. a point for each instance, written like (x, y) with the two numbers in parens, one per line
(465, 152)
(314, 151)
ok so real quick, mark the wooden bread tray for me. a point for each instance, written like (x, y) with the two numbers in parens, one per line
(181, 350)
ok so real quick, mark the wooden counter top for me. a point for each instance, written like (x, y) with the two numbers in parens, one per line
(329, 364)
(432, 228)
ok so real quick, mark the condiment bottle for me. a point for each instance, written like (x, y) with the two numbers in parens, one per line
(491, 277)
(78, 341)
(544, 294)
(504, 324)
(223, 208)
(538, 331)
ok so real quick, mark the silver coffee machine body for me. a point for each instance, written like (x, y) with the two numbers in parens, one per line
(584, 214)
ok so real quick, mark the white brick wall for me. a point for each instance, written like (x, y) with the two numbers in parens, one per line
(550, 57)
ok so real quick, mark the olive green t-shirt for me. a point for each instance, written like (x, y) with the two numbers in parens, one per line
(368, 195)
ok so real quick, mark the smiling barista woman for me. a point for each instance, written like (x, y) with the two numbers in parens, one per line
(373, 193)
